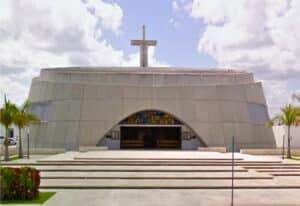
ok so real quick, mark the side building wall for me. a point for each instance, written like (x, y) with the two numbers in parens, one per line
(281, 131)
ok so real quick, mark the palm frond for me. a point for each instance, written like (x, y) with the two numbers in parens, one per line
(25, 107)
(7, 113)
(23, 117)
(276, 120)
(289, 116)
(33, 119)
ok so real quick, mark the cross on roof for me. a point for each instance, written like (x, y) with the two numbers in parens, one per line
(143, 44)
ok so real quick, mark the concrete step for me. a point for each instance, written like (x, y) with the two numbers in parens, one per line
(152, 175)
(168, 161)
(285, 174)
(273, 167)
(136, 168)
(159, 163)
(160, 184)
(277, 170)
(155, 178)
(119, 158)
(163, 161)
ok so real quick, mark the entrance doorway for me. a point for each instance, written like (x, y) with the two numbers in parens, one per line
(151, 137)
(151, 129)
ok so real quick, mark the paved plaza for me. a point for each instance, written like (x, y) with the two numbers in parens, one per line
(165, 178)
(175, 197)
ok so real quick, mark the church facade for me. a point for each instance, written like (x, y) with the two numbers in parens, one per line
(148, 107)
(134, 107)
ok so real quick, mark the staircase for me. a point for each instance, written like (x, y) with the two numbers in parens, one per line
(102, 171)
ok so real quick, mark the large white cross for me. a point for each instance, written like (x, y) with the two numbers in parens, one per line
(143, 44)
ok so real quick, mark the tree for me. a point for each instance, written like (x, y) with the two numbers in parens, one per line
(289, 116)
(22, 119)
(7, 114)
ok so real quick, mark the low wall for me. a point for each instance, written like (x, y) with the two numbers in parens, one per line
(190, 144)
(280, 131)
(46, 150)
(212, 149)
(86, 149)
(277, 151)
(13, 150)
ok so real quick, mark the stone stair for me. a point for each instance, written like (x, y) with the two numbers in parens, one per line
(163, 173)
(283, 170)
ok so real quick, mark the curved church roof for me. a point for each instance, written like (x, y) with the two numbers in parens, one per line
(147, 70)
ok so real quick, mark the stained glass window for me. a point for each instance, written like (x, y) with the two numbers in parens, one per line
(151, 117)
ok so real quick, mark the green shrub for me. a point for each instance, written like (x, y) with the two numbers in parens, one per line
(19, 183)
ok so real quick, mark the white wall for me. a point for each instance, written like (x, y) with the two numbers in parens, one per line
(279, 131)
(2, 130)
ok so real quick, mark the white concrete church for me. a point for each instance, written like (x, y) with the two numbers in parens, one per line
(148, 107)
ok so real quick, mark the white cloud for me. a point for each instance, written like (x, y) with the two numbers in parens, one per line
(110, 14)
(54, 33)
(174, 23)
(17, 91)
(259, 35)
(134, 59)
(175, 5)
(296, 97)
(277, 94)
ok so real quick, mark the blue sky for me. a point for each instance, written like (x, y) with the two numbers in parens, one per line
(176, 46)
(259, 36)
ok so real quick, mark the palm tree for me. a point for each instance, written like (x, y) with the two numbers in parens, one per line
(7, 114)
(289, 116)
(22, 119)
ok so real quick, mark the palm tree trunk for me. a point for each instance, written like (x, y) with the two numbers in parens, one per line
(20, 143)
(289, 155)
(6, 153)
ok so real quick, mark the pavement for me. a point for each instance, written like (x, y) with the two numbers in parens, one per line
(175, 198)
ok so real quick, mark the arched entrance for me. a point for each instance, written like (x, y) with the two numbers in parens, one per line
(151, 129)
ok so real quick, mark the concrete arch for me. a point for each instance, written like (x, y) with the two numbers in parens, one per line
(124, 117)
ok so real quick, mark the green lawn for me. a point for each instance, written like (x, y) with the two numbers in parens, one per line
(296, 158)
(43, 197)
(13, 157)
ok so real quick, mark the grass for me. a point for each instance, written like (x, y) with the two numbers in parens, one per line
(296, 158)
(42, 198)
(14, 157)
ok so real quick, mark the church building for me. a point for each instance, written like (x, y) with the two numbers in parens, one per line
(148, 107)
